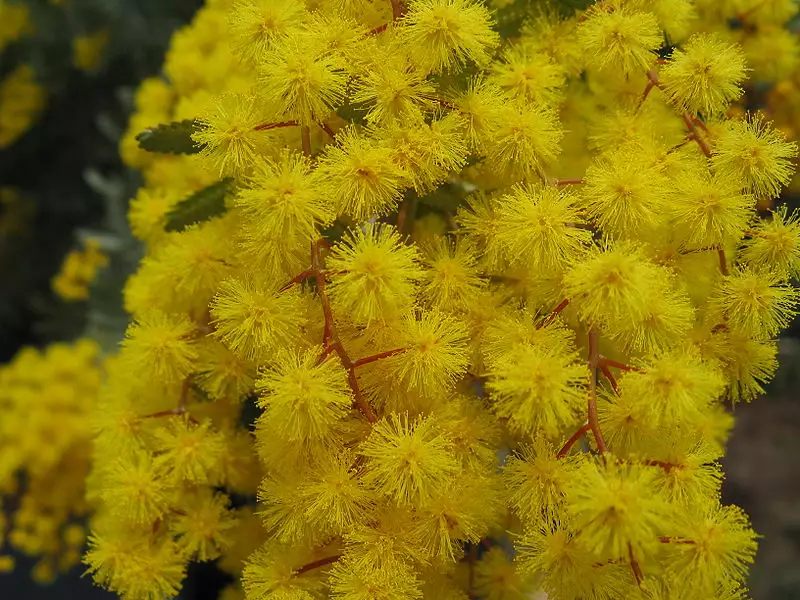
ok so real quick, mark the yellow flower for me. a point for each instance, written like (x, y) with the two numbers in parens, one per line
(443, 33)
(616, 37)
(407, 460)
(373, 274)
(755, 153)
(87, 50)
(705, 76)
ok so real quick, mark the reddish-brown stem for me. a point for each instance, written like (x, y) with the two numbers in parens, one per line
(327, 129)
(331, 337)
(184, 398)
(686, 140)
(402, 214)
(305, 139)
(441, 102)
(325, 353)
(723, 261)
(552, 316)
(172, 412)
(700, 124)
(637, 570)
(266, 126)
(317, 564)
(577, 181)
(610, 377)
(645, 94)
(664, 465)
(375, 357)
(397, 9)
(672, 540)
(571, 441)
(701, 141)
(181, 409)
(379, 29)
(297, 279)
(594, 362)
(618, 365)
(696, 250)
(653, 80)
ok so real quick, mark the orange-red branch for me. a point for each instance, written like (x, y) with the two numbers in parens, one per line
(723, 261)
(594, 362)
(322, 562)
(379, 29)
(571, 441)
(637, 570)
(672, 540)
(305, 139)
(376, 357)
(618, 365)
(330, 337)
(397, 9)
(552, 316)
(327, 129)
(267, 126)
(663, 465)
(701, 141)
(297, 279)
(610, 377)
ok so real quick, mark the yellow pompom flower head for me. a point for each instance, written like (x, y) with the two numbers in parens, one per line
(373, 274)
(753, 151)
(617, 37)
(443, 33)
(705, 76)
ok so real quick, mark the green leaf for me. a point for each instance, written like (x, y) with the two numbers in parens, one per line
(200, 206)
(171, 138)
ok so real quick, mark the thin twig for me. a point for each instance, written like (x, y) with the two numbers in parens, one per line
(610, 377)
(701, 141)
(317, 564)
(379, 29)
(297, 279)
(553, 314)
(594, 361)
(266, 126)
(327, 129)
(723, 261)
(305, 139)
(397, 9)
(618, 365)
(571, 441)
(376, 357)
(637, 570)
(331, 337)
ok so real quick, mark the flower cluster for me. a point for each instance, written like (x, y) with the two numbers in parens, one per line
(21, 102)
(78, 270)
(485, 294)
(46, 398)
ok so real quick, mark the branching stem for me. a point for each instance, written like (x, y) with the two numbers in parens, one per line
(397, 9)
(266, 126)
(552, 316)
(376, 357)
(305, 139)
(330, 337)
(322, 562)
(594, 362)
(571, 441)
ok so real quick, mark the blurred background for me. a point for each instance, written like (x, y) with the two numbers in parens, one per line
(68, 74)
